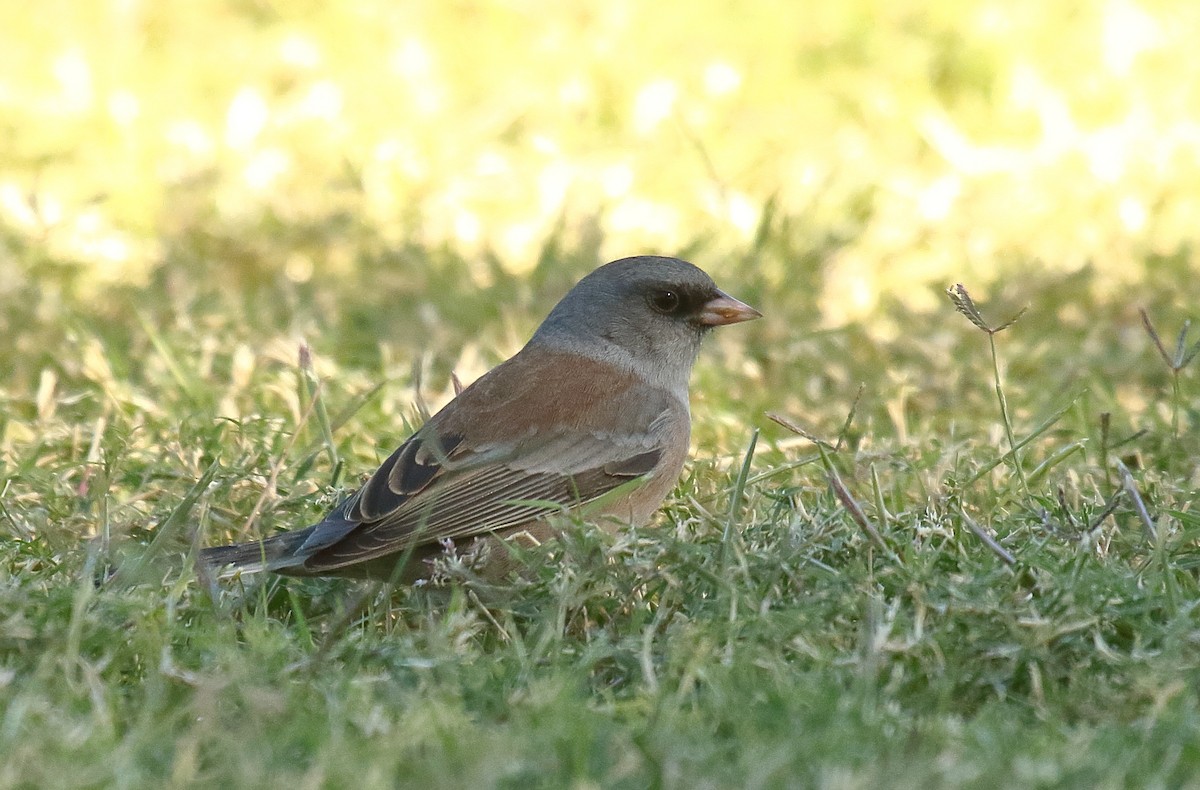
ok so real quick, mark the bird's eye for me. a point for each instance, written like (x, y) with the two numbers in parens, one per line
(665, 301)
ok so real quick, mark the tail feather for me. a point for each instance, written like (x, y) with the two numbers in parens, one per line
(275, 553)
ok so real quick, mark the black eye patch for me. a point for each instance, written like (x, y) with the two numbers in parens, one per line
(678, 300)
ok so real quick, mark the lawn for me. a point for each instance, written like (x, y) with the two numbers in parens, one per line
(245, 246)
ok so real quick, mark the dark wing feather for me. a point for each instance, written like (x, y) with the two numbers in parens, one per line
(405, 474)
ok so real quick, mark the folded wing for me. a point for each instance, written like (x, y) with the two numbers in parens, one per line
(466, 474)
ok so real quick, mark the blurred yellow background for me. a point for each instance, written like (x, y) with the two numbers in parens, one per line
(902, 142)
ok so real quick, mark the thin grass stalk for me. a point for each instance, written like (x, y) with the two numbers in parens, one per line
(1008, 429)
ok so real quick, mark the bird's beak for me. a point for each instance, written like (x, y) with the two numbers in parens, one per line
(724, 309)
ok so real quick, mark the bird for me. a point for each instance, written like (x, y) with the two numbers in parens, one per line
(591, 417)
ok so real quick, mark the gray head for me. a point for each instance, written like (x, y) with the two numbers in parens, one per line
(648, 313)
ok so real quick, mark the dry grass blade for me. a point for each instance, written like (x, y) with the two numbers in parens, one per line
(1135, 496)
(1065, 509)
(850, 417)
(779, 419)
(854, 509)
(1109, 508)
(856, 512)
(504, 636)
(787, 423)
(979, 532)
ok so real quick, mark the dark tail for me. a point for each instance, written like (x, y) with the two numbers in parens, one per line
(276, 553)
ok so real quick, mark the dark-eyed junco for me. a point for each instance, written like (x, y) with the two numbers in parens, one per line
(591, 414)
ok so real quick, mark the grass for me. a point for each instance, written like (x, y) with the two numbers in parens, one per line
(939, 563)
